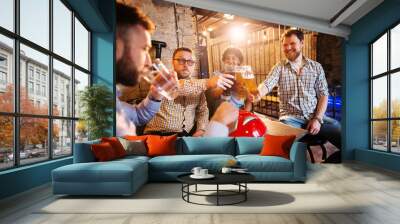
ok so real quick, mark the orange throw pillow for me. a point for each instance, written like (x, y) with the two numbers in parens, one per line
(103, 152)
(161, 145)
(277, 145)
(116, 145)
(135, 138)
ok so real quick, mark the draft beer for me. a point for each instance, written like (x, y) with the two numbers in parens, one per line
(245, 82)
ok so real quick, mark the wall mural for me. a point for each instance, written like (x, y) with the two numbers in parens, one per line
(279, 80)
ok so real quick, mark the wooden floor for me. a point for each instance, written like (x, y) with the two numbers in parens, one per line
(377, 188)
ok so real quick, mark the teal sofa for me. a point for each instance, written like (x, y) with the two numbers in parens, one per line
(125, 176)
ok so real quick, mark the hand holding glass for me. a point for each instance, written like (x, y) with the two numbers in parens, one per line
(244, 82)
(162, 79)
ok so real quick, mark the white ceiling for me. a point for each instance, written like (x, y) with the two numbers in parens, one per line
(313, 15)
(320, 9)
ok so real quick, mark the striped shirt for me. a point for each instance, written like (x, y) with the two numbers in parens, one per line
(180, 114)
(298, 94)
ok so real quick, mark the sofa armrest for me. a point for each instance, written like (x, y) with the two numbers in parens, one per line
(298, 157)
(83, 152)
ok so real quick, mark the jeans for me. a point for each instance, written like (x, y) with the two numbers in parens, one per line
(330, 129)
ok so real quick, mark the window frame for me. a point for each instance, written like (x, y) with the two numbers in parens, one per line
(388, 74)
(16, 115)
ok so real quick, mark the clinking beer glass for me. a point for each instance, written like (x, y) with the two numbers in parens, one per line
(162, 79)
(244, 83)
(249, 80)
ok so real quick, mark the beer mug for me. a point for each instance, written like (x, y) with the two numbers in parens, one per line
(228, 69)
(249, 80)
(239, 90)
(162, 79)
(245, 82)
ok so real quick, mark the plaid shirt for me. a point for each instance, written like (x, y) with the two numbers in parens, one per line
(180, 114)
(298, 94)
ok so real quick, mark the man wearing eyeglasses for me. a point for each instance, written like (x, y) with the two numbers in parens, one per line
(189, 109)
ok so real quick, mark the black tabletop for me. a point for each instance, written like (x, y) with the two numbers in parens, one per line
(220, 178)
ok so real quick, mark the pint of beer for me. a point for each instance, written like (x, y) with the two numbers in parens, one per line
(239, 88)
(245, 82)
(249, 80)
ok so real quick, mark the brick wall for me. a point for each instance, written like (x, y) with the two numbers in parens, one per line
(162, 13)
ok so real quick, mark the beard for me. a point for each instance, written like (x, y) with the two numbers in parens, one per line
(292, 55)
(185, 74)
(127, 73)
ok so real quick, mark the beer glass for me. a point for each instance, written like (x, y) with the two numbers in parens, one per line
(228, 69)
(162, 79)
(239, 90)
(245, 82)
(249, 80)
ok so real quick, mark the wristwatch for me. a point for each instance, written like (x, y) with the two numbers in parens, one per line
(321, 121)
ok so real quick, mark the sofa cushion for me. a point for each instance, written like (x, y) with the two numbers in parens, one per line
(112, 171)
(103, 152)
(249, 145)
(257, 163)
(206, 145)
(161, 145)
(134, 147)
(185, 163)
(116, 145)
(277, 145)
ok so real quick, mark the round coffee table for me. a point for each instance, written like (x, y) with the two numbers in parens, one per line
(238, 179)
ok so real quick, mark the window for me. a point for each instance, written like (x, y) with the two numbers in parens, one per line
(34, 24)
(37, 74)
(3, 81)
(46, 73)
(385, 95)
(3, 61)
(3, 77)
(62, 30)
(3, 72)
(38, 89)
(63, 75)
(30, 72)
(44, 91)
(81, 45)
(30, 87)
(7, 14)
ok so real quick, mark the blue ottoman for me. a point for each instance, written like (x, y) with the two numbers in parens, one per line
(118, 177)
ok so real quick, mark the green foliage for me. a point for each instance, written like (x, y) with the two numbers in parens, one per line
(380, 111)
(97, 102)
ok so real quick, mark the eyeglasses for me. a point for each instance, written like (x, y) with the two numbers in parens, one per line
(182, 61)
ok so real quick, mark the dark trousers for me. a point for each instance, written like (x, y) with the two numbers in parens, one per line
(330, 130)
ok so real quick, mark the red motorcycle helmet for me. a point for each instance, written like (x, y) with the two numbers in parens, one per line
(249, 125)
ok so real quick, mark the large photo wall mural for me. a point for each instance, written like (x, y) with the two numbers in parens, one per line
(277, 80)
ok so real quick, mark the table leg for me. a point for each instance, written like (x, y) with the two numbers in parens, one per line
(245, 192)
(217, 194)
(188, 192)
(182, 190)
